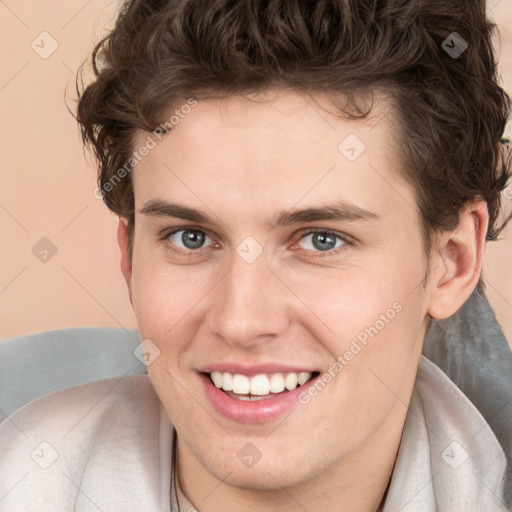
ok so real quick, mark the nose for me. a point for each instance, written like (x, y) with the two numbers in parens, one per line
(250, 305)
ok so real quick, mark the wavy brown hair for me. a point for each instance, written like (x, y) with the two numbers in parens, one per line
(451, 110)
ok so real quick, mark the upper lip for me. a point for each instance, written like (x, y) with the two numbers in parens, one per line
(253, 369)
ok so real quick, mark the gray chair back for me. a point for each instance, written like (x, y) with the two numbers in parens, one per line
(37, 364)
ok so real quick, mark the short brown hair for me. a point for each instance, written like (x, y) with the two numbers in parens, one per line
(451, 109)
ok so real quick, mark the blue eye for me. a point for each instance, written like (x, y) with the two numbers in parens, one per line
(190, 239)
(319, 242)
(322, 241)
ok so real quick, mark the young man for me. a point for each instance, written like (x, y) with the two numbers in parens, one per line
(302, 187)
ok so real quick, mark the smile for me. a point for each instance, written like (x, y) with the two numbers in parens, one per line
(257, 387)
(256, 397)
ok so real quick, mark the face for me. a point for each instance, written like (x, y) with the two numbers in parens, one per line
(269, 240)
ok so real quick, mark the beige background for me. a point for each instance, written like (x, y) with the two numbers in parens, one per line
(47, 183)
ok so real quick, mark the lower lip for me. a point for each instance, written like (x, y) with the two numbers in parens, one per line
(256, 411)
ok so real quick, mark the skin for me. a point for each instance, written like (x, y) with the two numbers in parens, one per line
(242, 161)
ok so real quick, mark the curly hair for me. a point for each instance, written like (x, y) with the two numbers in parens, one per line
(451, 109)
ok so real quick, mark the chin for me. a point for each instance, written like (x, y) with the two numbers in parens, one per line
(266, 474)
(262, 479)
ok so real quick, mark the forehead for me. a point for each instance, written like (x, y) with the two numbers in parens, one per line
(275, 149)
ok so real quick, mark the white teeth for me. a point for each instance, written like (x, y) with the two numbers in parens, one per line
(227, 381)
(290, 381)
(277, 383)
(303, 377)
(259, 385)
(217, 379)
(240, 384)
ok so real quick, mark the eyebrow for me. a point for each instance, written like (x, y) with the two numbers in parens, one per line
(339, 211)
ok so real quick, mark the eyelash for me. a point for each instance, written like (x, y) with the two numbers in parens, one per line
(317, 254)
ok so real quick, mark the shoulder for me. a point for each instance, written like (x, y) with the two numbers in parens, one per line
(82, 409)
(74, 445)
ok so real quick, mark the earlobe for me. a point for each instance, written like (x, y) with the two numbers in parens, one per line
(459, 260)
(123, 242)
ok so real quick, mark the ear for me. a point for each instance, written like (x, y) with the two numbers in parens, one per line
(123, 242)
(458, 261)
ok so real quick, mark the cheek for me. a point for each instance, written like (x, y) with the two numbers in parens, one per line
(169, 307)
(163, 296)
(370, 317)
